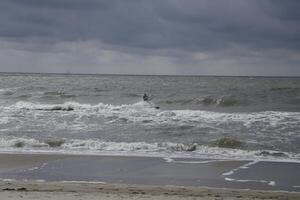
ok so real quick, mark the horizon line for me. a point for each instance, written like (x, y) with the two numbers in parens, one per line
(120, 74)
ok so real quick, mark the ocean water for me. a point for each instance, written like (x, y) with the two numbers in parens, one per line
(105, 114)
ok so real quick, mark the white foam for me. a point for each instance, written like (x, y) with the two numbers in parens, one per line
(94, 146)
(4, 120)
(169, 159)
(84, 118)
(245, 166)
(32, 168)
(271, 183)
(27, 142)
(228, 173)
(74, 116)
(90, 182)
(142, 111)
(7, 91)
(7, 180)
(172, 160)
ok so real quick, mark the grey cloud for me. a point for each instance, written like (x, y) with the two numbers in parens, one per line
(65, 4)
(156, 24)
(284, 10)
(172, 28)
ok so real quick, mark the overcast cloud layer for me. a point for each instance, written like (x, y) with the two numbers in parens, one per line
(204, 37)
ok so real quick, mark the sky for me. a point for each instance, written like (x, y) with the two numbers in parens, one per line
(167, 37)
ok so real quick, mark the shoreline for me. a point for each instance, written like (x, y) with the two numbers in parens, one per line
(147, 155)
(61, 176)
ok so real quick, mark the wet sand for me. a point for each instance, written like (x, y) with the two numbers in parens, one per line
(45, 176)
(9, 162)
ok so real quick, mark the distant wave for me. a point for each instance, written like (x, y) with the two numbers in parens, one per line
(145, 112)
(282, 88)
(225, 101)
(58, 94)
(179, 101)
(6, 92)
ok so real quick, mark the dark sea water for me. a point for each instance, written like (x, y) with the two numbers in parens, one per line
(105, 114)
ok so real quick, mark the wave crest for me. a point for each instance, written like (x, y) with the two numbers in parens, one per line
(94, 146)
(226, 101)
(142, 112)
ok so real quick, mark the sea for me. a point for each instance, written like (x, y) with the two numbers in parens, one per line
(187, 116)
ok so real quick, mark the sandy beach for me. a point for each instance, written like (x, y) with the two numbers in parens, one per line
(46, 176)
(157, 100)
(57, 190)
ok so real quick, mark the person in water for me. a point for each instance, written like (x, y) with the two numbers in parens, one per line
(146, 97)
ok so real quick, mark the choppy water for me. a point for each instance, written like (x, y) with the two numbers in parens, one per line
(104, 114)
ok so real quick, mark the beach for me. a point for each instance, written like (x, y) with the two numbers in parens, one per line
(76, 191)
(48, 176)
(154, 100)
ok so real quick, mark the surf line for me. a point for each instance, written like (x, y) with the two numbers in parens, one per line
(172, 160)
(245, 166)
(271, 183)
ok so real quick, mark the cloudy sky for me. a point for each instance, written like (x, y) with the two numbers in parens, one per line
(182, 37)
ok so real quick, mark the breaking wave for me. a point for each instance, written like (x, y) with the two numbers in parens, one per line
(94, 146)
(77, 106)
(145, 113)
(267, 130)
(146, 108)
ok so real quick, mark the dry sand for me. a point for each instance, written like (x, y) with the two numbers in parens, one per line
(92, 191)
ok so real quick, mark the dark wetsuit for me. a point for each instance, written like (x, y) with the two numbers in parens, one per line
(145, 97)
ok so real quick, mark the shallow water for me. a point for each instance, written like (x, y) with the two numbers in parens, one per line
(104, 114)
(153, 171)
